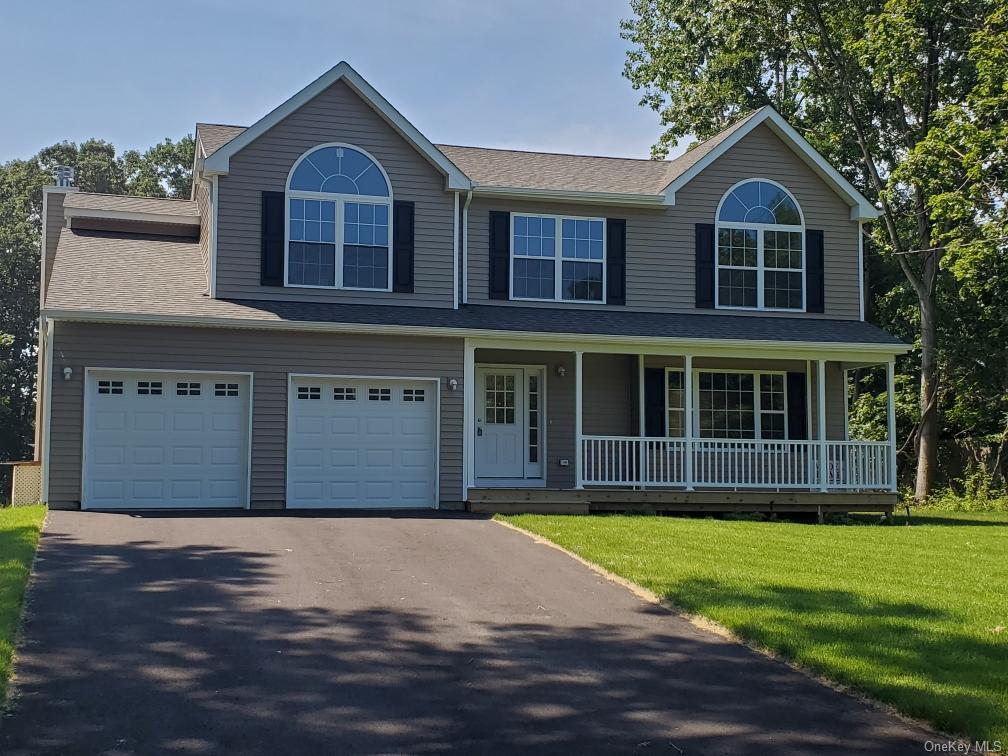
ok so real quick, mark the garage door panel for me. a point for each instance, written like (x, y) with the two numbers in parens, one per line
(167, 440)
(379, 450)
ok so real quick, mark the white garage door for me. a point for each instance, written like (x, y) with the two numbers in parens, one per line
(361, 443)
(156, 440)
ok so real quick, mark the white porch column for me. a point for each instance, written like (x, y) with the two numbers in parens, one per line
(468, 419)
(640, 395)
(688, 420)
(578, 409)
(821, 417)
(891, 412)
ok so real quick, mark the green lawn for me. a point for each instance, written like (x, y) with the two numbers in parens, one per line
(19, 534)
(915, 615)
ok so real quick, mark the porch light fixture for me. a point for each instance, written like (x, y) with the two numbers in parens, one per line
(67, 373)
(453, 384)
(561, 371)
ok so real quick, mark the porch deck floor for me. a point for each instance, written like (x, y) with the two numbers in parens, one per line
(567, 501)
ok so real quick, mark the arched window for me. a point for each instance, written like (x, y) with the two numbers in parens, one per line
(339, 220)
(760, 248)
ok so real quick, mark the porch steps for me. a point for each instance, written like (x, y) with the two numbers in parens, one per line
(552, 501)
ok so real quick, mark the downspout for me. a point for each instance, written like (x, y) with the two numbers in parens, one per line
(455, 254)
(46, 385)
(465, 247)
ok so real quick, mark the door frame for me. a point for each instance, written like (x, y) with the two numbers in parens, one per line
(350, 377)
(524, 482)
(86, 417)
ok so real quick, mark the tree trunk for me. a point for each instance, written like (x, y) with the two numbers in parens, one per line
(927, 439)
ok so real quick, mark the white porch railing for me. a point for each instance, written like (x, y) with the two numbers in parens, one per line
(662, 462)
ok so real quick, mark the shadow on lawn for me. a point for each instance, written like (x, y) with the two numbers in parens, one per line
(141, 648)
(916, 657)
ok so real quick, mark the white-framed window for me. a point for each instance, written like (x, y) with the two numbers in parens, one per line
(339, 221)
(558, 258)
(675, 403)
(734, 404)
(760, 248)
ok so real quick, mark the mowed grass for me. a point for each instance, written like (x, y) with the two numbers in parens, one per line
(19, 534)
(914, 615)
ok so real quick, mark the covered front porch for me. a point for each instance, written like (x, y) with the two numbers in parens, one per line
(615, 426)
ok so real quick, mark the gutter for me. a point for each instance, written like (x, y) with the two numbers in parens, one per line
(83, 316)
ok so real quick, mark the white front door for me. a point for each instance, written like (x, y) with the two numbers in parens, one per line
(500, 423)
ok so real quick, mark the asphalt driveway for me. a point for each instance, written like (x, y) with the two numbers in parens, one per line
(342, 634)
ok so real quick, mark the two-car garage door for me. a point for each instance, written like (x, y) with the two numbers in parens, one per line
(162, 440)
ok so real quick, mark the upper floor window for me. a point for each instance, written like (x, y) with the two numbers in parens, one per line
(339, 203)
(760, 260)
(556, 257)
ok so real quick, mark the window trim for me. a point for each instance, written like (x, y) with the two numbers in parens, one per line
(693, 423)
(686, 424)
(558, 259)
(340, 200)
(761, 268)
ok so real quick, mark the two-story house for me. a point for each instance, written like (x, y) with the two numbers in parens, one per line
(348, 315)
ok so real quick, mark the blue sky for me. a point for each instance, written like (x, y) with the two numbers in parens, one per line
(543, 74)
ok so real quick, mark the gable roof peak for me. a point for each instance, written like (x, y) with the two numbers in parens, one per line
(219, 161)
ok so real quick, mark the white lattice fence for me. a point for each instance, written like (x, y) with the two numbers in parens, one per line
(27, 485)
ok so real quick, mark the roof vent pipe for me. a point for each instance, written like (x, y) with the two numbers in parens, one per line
(64, 175)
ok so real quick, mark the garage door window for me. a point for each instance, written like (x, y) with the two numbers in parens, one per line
(380, 394)
(225, 389)
(413, 395)
(149, 388)
(110, 387)
(344, 394)
(309, 392)
(185, 388)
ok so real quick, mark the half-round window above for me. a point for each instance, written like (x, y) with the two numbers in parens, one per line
(339, 170)
(760, 202)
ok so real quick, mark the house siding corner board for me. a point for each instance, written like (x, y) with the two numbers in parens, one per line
(660, 244)
(336, 115)
(270, 357)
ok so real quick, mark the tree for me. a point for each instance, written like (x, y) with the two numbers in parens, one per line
(871, 85)
(164, 170)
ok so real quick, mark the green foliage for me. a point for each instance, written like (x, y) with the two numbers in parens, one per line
(911, 615)
(164, 170)
(19, 534)
(976, 492)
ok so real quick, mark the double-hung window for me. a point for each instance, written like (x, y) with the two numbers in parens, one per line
(558, 258)
(339, 226)
(727, 404)
(760, 258)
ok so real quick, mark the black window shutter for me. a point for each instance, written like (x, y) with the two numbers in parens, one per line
(500, 253)
(271, 271)
(797, 407)
(815, 288)
(705, 265)
(654, 401)
(615, 261)
(402, 246)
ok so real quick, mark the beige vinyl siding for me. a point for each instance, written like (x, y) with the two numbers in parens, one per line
(203, 203)
(660, 241)
(336, 115)
(270, 356)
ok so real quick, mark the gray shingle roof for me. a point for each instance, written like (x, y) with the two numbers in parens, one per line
(128, 204)
(549, 171)
(213, 136)
(121, 274)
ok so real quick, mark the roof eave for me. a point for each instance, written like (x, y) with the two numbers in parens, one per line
(130, 215)
(561, 195)
(88, 316)
(219, 163)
